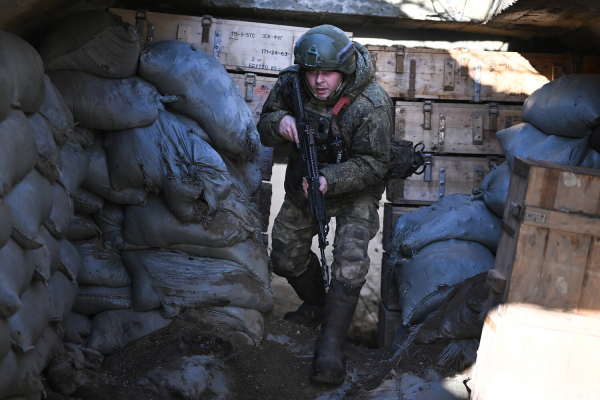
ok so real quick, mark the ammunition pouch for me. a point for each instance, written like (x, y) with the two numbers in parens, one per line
(405, 159)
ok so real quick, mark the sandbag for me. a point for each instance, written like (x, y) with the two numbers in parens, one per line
(4, 338)
(112, 330)
(94, 42)
(110, 222)
(247, 173)
(25, 67)
(57, 114)
(185, 281)
(15, 275)
(192, 126)
(240, 325)
(49, 161)
(62, 211)
(94, 299)
(70, 261)
(45, 259)
(30, 203)
(167, 158)
(101, 265)
(86, 202)
(494, 189)
(62, 294)
(461, 314)
(143, 295)
(97, 179)
(77, 328)
(18, 151)
(37, 360)
(75, 165)
(108, 104)
(524, 140)
(591, 160)
(250, 253)
(205, 92)
(8, 90)
(568, 106)
(154, 225)
(84, 137)
(69, 370)
(453, 217)
(430, 276)
(82, 227)
(6, 226)
(53, 246)
(27, 325)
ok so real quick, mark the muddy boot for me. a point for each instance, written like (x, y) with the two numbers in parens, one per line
(309, 287)
(329, 365)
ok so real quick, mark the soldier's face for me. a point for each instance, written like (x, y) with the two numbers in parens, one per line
(323, 83)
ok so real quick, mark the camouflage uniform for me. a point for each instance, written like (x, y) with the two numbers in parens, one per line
(355, 185)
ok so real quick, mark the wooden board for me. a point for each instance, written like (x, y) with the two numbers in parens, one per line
(390, 297)
(444, 175)
(529, 353)
(460, 74)
(549, 249)
(239, 45)
(450, 128)
(262, 199)
(388, 323)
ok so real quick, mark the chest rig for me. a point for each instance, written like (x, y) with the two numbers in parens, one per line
(324, 121)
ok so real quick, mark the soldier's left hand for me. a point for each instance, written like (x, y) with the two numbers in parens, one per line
(322, 185)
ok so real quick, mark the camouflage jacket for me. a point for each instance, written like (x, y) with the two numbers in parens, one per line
(365, 127)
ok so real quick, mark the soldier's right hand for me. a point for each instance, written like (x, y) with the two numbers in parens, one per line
(287, 128)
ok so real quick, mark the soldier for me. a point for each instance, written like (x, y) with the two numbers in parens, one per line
(346, 107)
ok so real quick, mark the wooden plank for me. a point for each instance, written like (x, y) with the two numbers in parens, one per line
(421, 122)
(562, 221)
(442, 74)
(390, 297)
(589, 303)
(387, 324)
(239, 45)
(577, 193)
(461, 174)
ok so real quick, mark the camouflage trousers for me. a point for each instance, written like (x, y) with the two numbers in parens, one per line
(357, 222)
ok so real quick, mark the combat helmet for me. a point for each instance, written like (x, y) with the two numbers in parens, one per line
(325, 48)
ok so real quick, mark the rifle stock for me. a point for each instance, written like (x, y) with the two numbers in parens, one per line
(308, 149)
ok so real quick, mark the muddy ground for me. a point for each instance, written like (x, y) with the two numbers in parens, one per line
(278, 369)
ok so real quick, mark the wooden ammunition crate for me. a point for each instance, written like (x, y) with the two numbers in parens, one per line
(528, 353)
(239, 45)
(455, 128)
(255, 90)
(460, 74)
(549, 249)
(389, 288)
(443, 175)
(391, 213)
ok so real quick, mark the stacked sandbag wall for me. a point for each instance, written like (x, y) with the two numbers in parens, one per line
(120, 204)
(443, 251)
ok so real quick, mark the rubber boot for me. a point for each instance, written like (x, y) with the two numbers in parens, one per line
(310, 289)
(329, 365)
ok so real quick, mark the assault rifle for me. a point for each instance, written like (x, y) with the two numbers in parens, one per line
(308, 149)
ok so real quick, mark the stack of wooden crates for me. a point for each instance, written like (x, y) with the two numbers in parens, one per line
(454, 102)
